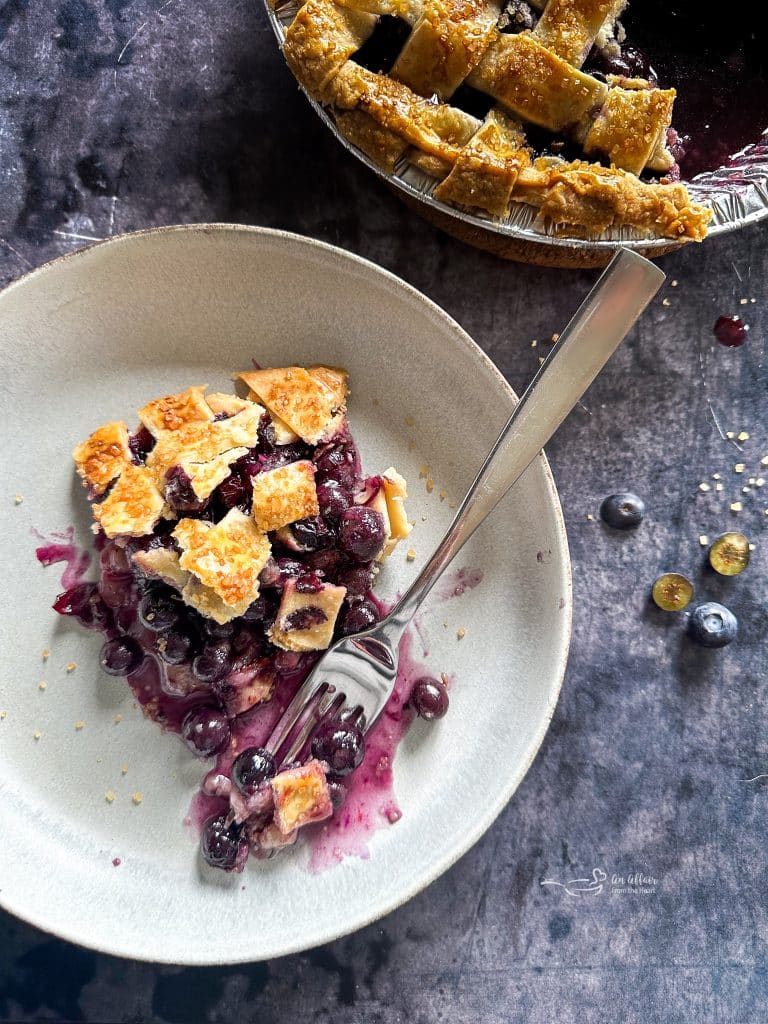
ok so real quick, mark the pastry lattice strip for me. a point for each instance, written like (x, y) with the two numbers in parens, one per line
(453, 41)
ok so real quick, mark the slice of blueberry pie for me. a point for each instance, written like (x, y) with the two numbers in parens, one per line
(238, 538)
(535, 102)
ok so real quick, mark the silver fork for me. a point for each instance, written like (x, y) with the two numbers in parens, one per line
(355, 677)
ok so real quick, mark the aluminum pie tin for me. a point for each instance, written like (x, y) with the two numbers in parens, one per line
(736, 193)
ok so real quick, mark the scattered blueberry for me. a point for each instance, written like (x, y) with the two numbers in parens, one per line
(358, 581)
(730, 331)
(120, 656)
(672, 592)
(361, 533)
(713, 625)
(622, 511)
(429, 698)
(251, 768)
(205, 730)
(311, 534)
(223, 845)
(729, 554)
(341, 745)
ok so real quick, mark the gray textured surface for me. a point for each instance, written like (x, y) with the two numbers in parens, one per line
(117, 115)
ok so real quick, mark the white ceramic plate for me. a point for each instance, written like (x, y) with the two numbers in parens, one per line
(90, 337)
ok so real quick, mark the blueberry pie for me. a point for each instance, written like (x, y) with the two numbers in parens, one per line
(534, 102)
(237, 539)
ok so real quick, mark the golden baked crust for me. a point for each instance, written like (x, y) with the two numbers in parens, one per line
(300, 795)
(171, 412)
(226, 558)
(225, 405)
(310, 401)
(283, 495)
(205, 450)
(133, 506)
(103, 456)
(534, 76)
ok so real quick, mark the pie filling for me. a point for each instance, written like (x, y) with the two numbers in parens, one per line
(542, 103)
(238, 539)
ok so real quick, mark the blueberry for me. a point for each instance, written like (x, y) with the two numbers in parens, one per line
(338, 794)
(672, 592)
(729, 554)
(361, 533)
(251, 768)
(120, 656)
(234, 493)
(179, 493)
(175, 645)
(341, 745)
(333, 499)
(141, 444)
(358, 582)
(339, 464)
(359, 617)
(429, 698)
(222, 845)
(158, 611)
(218, 630)
(213, 662)
(713, 625)
(75, 600)
(205, 730)
(622, 511)
(311, 534)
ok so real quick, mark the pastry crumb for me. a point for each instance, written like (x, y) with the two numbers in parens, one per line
(752, 547)
(541, 360)
(534, 343)
(461, 633)
(760, 482)
(3, 715)
(736, 506)
(42, 685)
(423, 519)
(430, 484)
(673, 284)
(124, 770)
(18, 499)
(743, 436)
(703, 486)
(109, 796)
(46, 654)
(590, 517)
(443, 494)
(410, 554)
(730, 435)
(718, 487)
(703, 540)
(79, 725)
(409, 421)
(36, 734)
(71, 666)
(739, 467)
(745, 490)
(411, 445)
(118, 719)
(444, 677)
(743, 302)
(715, 476)
(137, 798)
(665, 302)
(555, 337)
(764, 460)
(423, 472)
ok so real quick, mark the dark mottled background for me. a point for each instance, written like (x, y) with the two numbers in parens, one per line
(118, 114)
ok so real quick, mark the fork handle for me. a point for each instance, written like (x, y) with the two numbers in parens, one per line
(599, 326)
